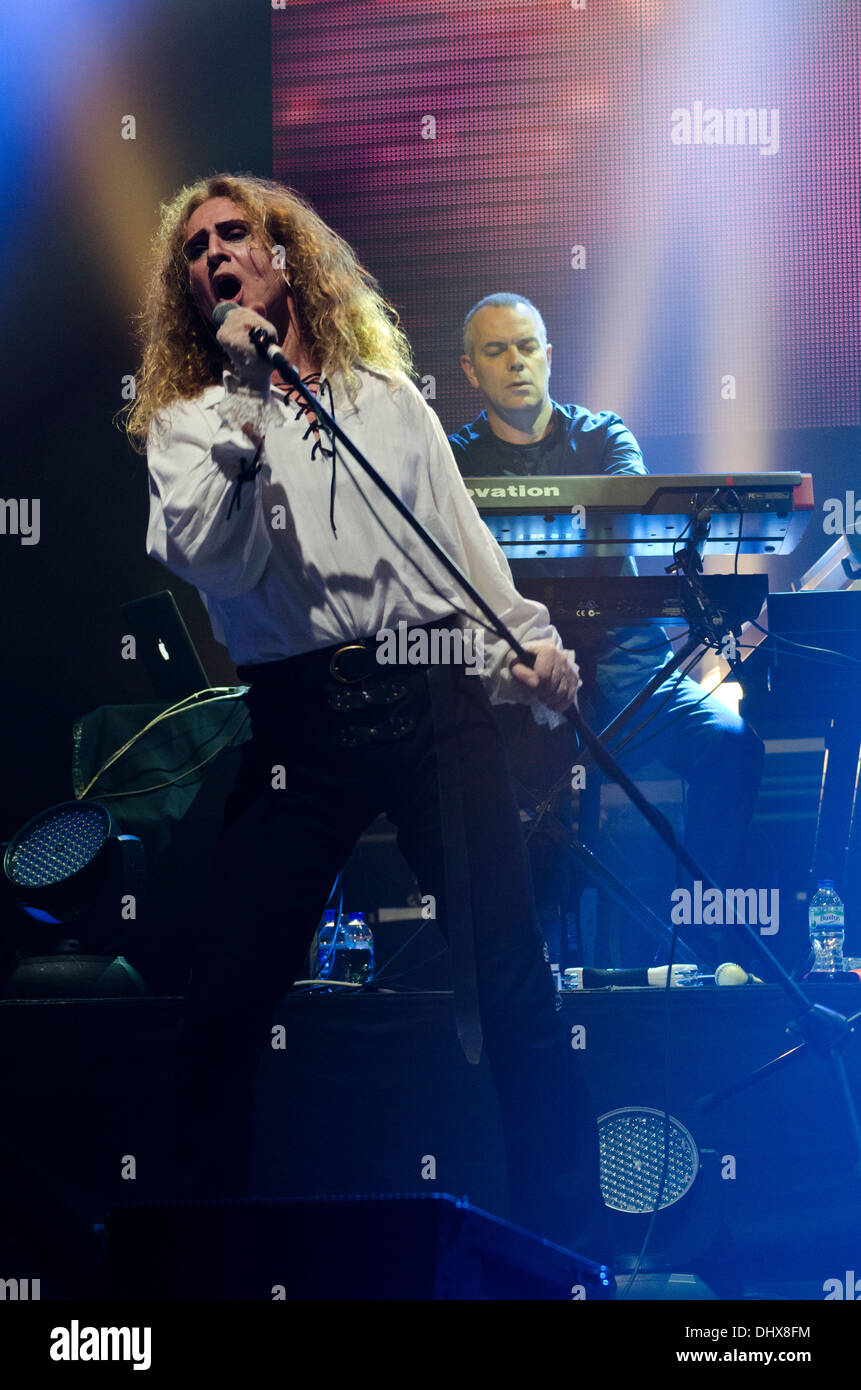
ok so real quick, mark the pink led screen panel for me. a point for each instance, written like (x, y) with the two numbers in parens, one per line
(675, 183)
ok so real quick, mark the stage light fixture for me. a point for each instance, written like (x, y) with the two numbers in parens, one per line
(69, 872)
(632, 1143)
(55, 863)
(689, 1232)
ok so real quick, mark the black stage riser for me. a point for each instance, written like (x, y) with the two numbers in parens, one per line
(366, 1089)
(353, 1249)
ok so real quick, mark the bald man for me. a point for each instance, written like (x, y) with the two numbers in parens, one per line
(523, 432)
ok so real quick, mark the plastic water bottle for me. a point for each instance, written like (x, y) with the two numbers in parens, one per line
(353, 951)
(826, 928)
(325, 943)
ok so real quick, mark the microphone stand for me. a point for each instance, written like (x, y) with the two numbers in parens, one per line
(822, 1030)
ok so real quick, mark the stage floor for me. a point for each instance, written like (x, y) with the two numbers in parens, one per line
(365, 1087)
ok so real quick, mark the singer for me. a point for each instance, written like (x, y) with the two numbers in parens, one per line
(301, 563)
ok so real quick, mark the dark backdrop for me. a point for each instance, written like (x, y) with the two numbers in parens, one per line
(196, 77)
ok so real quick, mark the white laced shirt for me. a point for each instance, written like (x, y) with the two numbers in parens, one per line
(300, 556)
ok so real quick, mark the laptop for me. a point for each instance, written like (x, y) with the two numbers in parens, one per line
(163, 646)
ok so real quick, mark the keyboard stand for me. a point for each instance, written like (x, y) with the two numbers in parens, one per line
(550, 824)
(708, 628)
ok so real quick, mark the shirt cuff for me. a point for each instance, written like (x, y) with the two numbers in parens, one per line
(243, 405)
(505, 689)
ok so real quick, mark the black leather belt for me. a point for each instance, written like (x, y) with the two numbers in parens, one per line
(381, 731)
(353, 682)
(384, 692)
(347, 663)
(363, 683)
(354, 662)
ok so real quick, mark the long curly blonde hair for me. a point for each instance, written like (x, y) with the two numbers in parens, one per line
(341, 314)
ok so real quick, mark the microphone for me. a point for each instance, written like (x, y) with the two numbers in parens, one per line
(731, 974)
(221, 310)
(267, 347)
(585, 977)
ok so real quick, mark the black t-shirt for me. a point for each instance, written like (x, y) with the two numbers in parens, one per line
(547, 457)
(579, 442)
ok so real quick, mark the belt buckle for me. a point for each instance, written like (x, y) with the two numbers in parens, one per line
(333, 663)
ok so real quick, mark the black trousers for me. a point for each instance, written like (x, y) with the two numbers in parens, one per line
(284, 839)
